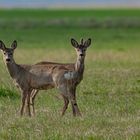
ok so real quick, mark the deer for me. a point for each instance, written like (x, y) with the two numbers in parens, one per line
(78, 67)
(42, 76)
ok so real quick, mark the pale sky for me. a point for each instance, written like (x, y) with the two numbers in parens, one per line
(63, 3)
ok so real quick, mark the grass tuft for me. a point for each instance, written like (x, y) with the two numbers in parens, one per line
(7, 92)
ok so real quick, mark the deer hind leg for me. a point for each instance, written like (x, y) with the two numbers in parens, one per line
(63, 90)
(66, 102)
(33, 95)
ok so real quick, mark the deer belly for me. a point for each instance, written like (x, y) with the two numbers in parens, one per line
(42, 83)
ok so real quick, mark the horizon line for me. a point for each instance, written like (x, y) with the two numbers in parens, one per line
(70, 6)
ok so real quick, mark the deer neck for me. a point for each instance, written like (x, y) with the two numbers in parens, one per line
(79, 65)
(13, 69)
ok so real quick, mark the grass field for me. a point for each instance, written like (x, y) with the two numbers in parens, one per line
(108, 96)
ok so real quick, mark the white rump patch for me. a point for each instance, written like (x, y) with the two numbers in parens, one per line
(70, 75)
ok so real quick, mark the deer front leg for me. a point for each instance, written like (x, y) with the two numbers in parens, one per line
(66, 102)
(74, 104)
(76, 111)
(23, 100)
(28, 103)
(73, 109)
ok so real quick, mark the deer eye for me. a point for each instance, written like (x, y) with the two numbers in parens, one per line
(4, 53)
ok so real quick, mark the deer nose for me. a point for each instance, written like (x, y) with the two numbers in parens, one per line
(7, 59)
(81, 54)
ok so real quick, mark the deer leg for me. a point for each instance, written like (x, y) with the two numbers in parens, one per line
(72, 99)
(28, 103)
(33, 95)
(75, 108)
(66, 102)
(24, 95)
(76, 111)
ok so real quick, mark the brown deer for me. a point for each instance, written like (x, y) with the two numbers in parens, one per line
(42, 76)
(77, 67)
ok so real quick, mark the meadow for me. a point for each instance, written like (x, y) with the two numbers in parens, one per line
(109, 94)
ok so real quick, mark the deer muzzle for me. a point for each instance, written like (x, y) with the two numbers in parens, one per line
(8, 60)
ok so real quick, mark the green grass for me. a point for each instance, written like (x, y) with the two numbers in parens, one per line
(108, 96)
(43, 13)
(99, 18)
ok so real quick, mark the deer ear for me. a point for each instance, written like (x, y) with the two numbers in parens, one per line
(14, 44)
(82, 41)
(87, 43)
(74, 43)
(2, 46)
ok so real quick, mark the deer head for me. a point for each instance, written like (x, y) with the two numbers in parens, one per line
(8, 52)
(81, 47)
